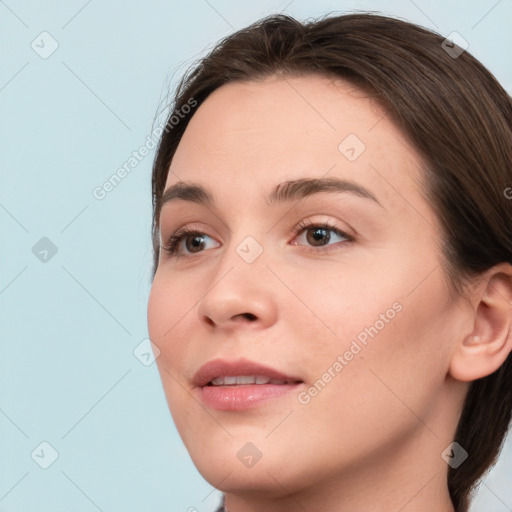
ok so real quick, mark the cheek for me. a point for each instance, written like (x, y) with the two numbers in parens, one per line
(407, 350)
(393, 337)
(159, 304)
(335, 308)
(166, 317)
(167, 312)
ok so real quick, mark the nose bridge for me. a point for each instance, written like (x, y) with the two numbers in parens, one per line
(244, 250)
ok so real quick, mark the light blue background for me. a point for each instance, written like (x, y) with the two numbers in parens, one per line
(68, 327)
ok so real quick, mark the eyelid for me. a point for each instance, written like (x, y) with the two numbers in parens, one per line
(327, 221)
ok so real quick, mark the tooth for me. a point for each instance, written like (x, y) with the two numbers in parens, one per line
(233, 380)
(246, 379)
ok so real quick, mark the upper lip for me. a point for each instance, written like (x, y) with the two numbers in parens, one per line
(222, 367)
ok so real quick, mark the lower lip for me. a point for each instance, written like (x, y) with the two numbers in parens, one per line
(236, 398)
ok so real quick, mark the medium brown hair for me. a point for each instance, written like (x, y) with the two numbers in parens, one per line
(451, 109)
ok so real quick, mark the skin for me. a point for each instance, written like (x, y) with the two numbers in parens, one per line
(372, 438)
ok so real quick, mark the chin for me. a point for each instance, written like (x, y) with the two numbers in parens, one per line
(231, 476)
(223, 467)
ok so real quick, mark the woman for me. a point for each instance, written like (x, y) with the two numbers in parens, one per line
(333, 282)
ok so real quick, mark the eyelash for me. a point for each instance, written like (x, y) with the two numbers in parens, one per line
(176, 238)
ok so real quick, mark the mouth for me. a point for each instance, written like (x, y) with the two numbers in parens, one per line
(242, 384)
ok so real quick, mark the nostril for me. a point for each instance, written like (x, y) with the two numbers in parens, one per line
(209, 321)
(249, 316)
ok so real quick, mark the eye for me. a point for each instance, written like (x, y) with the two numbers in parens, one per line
(188, 240)
(320, 235)
(193, 241)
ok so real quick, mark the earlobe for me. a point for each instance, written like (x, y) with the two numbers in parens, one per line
(488, 345)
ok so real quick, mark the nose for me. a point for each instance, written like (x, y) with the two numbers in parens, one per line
(240, 295)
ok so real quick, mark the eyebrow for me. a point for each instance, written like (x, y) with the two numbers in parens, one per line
(286, 191)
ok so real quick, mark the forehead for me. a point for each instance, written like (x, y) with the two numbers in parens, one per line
(249, 136)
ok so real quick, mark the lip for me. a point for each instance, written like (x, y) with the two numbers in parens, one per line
(239, 397)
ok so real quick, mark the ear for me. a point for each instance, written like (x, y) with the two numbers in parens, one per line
(486, 348)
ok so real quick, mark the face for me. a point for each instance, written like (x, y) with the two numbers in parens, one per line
(338, 286)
